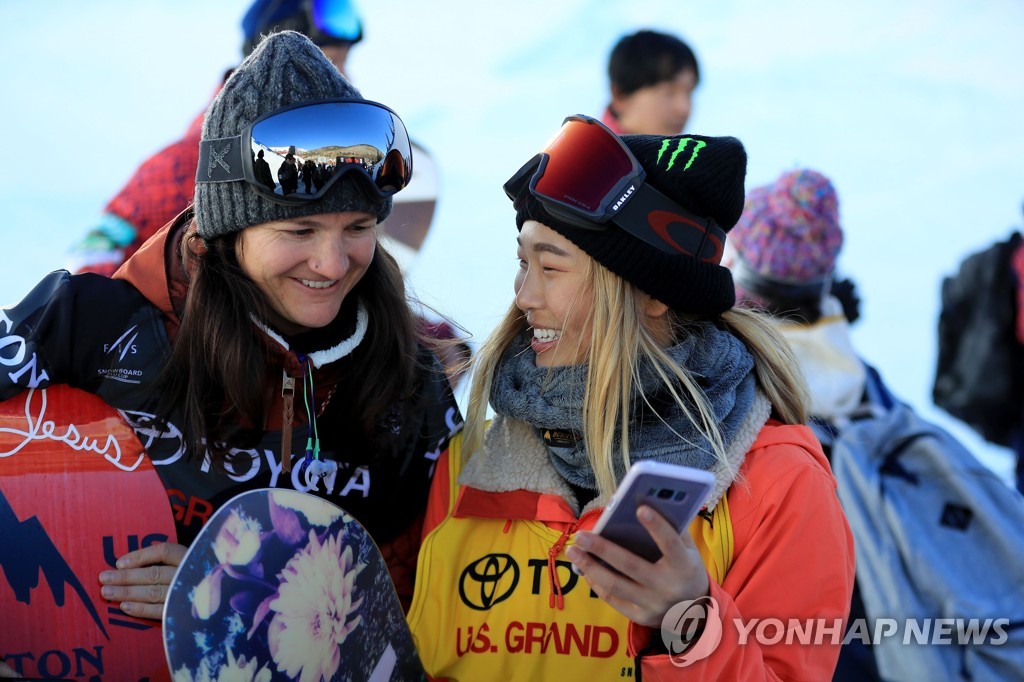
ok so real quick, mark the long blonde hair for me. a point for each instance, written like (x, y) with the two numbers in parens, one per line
(627, 338)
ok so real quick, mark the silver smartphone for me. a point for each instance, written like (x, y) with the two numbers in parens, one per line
(676, 492)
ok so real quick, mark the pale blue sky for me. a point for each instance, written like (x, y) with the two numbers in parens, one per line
(914, 110)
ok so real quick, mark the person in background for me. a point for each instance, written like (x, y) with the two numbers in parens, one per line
(288, 175)
(1017, 268)
(452, 350)
(979, 373)
(275, 344)
(652, 77)
(623, 344)
(262, 169)
(783, 255)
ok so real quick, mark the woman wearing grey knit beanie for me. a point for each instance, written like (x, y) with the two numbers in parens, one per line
(270, 342)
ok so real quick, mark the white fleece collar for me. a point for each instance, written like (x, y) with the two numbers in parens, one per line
(320, 358)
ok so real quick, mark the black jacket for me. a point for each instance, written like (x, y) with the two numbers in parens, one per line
(106, 337)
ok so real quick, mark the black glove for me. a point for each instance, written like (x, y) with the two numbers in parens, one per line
(846, 291)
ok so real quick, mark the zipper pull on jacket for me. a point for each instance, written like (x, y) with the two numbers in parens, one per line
(288, 393)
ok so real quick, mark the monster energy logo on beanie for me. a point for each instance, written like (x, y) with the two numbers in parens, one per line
(680, 146)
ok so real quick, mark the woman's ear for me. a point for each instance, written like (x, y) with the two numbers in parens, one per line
(654, 308)
(657, 322)
(193, 243)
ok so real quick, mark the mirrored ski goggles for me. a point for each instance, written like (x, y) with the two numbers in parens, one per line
(295, 154)
(587, 177)
(326, 22)
(334, 20)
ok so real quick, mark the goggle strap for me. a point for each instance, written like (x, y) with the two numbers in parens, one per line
(515, 184)
(652, 217)
(220, 160)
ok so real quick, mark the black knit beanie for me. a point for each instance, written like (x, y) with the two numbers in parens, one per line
(705, 176)
(286, 68)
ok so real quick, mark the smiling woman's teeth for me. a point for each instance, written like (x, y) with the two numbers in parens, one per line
(317, 285)
(546, 335)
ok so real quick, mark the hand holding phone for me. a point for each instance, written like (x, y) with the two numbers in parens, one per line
(674, 491)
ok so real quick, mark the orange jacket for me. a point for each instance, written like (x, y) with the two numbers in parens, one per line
(792, 558)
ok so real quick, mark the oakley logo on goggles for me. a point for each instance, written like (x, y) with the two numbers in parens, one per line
(293, 155)
(587, 177)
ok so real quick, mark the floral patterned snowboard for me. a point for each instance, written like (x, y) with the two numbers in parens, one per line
(282, 585)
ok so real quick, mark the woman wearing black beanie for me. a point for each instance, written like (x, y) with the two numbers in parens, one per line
(623, 345)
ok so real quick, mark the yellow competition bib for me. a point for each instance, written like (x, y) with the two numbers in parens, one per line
(486, 603)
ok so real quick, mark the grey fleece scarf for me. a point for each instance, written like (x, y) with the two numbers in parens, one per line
(552, 398)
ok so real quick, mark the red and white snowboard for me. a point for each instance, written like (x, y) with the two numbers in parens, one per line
(76, 492)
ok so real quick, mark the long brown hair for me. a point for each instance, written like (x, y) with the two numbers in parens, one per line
(217, 372)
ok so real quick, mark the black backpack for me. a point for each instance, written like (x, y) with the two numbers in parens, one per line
(980, 374)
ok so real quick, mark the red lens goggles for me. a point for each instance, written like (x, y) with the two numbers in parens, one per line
(587, 177)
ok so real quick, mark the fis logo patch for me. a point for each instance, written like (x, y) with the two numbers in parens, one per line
(681, 145)
(124, 345)
(118, 351)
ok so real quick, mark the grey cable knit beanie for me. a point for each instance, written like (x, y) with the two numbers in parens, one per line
(285, 69)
